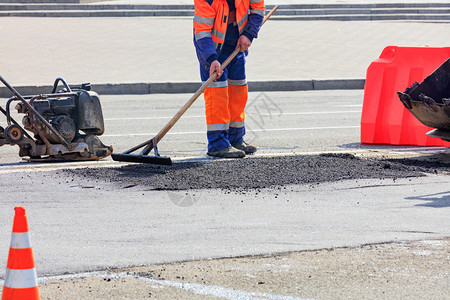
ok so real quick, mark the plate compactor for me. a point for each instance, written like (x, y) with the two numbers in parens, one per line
(60, 126)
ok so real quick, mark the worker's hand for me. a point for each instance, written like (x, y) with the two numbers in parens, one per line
(215, 67)
(244, 42)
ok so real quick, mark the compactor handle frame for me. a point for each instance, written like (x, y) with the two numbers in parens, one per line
(38, 115)
(55, 85)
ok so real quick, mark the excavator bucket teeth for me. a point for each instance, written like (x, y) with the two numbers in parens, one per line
(429, 101)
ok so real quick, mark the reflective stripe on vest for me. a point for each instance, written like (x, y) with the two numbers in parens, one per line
(242, 21)
(204, 20)
(202, 34)
(217, 127)
(241, 82)
(257, 11)
(218, 34)
(254, 1)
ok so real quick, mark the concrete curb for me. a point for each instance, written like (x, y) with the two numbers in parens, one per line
(192, 87)
(293, 12)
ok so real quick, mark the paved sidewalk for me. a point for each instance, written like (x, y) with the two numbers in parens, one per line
(34, 51)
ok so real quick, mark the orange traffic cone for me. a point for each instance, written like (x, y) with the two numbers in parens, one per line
(20, 278)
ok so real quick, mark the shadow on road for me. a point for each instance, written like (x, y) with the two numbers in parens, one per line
(434, 163)
(437, 200)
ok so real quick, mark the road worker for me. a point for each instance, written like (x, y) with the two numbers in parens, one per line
(220, 26)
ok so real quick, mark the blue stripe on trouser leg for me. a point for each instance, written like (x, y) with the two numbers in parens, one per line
(217, 140)
(236, 135)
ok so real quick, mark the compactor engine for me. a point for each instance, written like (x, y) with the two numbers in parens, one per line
(65, 125)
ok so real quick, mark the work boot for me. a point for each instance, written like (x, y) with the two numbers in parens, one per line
(229, 152)
(246, 147)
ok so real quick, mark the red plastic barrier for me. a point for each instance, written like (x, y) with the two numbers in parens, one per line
(384, 119)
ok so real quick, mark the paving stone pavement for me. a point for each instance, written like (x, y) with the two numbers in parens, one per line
(148, 54)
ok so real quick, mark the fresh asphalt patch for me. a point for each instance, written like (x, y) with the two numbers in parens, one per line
(260, 172)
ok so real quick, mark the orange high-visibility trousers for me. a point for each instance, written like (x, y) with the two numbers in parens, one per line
(225, 102)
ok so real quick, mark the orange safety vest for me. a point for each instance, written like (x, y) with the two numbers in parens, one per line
(211, 18)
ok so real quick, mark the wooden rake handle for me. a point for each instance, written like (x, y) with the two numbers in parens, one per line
(194, 97)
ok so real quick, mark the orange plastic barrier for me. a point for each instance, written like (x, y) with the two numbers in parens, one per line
(20, 279)
(384, 119)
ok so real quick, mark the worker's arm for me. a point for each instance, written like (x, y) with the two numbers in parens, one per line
(203, 23)
(254, 23)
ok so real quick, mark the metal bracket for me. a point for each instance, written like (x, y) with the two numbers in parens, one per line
(149, 148)
(155, 147)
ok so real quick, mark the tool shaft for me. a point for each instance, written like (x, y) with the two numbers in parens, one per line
(194, 97)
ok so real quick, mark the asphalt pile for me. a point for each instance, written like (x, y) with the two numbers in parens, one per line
(256, 172)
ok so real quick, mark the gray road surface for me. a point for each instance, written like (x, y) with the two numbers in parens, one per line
(79, 226)
(289, 122)
(86, 224)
